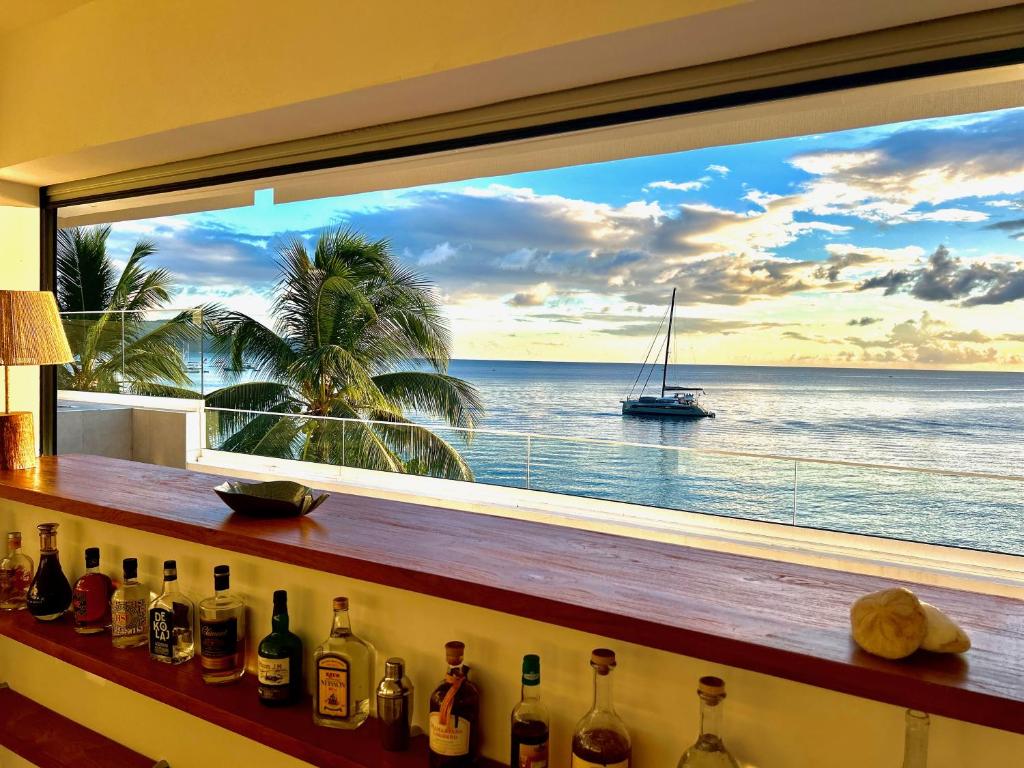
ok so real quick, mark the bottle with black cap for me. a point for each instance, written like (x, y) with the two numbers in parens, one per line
(222, 632)
(90, 599)
(279, 659)
(171, 621)
(128, 608)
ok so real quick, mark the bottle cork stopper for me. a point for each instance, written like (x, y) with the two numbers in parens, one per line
(711, 686)
(602, 658)
(454, 650)
(340, 603)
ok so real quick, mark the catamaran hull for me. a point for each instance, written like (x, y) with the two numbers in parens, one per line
(669, 410)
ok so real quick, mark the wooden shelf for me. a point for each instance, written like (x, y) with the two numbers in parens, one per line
(50, 740)
(235, 706)
(775, 618)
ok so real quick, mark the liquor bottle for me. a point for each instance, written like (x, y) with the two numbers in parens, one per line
(394, 706)
(49, 594)
(279, 659)
(90, 598)
(15, 575)
(454, 724)
(530, 720)
(171, 621)
(222, 632)
(915, 750)
(601, 738)
(344, 669)
(709, 751)
(128, 608)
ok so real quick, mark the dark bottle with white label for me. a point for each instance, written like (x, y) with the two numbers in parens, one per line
(222, 632)
(171, 621)
(279, 659)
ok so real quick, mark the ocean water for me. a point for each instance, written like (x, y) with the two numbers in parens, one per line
(948, 422)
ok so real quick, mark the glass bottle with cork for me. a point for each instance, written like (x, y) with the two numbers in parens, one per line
(454, 723)
(90, 598)
(344, 674)
(279, 659)
(915, 745)
(530, 720)
(709, 751)
(49, 595)
(171, 621)
(16, 571)
(222, 632)
(601, 739)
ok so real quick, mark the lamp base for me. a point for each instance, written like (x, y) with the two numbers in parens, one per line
(17, 440)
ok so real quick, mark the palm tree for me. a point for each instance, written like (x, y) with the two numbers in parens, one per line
(349, 320)
(119, 351)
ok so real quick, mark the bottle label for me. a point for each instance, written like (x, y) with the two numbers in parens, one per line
(450, 739)
(160, 623)
(332, 686)
(127, 618)
(218, 643)
(273, 671)
(532, 755)
(579, 762)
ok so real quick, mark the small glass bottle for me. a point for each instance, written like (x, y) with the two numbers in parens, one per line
(454, 723)
(709, 751)
(222, 632)
(90, 598)
(394, 706)
(49, 595)
(16, 571)
(171, 621)
(344, 669)
(915, 749)
(601, 738)
(279, 659)
(530, 720)
(128, 608)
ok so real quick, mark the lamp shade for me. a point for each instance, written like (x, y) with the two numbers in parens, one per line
(30, 330)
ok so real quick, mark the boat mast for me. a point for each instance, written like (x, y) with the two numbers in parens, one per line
(668, 342)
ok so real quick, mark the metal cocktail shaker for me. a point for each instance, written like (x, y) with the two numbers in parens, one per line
(394, 706)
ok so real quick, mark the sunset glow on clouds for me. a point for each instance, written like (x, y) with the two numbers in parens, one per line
(897, 246)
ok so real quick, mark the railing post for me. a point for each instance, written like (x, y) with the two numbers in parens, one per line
(343, 456)
(122, 347)
(795, 464)
(528, 445)
(202, 355)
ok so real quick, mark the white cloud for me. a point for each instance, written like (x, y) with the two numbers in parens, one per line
(437, 254)
(678, 186)
(721, 170)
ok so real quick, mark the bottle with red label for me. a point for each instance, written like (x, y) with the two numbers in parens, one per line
(16, 571)
(454, 725)
(530, 720)
(90, 599)
(601, 739)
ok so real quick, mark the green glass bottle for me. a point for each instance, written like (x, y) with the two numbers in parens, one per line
(279, 659)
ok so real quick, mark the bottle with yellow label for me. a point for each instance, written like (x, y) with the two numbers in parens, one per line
(454, 724)
(344, 671)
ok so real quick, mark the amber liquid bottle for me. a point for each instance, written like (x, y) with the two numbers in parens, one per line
(454, 727)
(90, 599)
(601, 739)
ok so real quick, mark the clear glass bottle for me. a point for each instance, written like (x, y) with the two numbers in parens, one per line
(915, 749)
(90, 598)
(171, 621)
(222, 632)
(344, 673)
(128, 608)
(709, 751)
(530, 720)
(16, 571)
(601, 738)
(279, 659)
(453, 738)
(49, 595)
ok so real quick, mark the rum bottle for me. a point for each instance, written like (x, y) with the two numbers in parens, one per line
(279, 659)
(16, 571)
(90, 598)
(222, 632)
(915, 749)
(601, 738)
(530, 720)
(49, 594)
(709, 751)
(128, 608)
(454, 724)
(344, 670)
(171, 621)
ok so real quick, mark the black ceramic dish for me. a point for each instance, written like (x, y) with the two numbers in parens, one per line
(277, 498)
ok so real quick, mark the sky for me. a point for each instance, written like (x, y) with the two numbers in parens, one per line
(898, 246)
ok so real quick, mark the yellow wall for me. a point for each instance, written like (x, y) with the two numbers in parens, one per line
(19, 270)
(770, 723)
(111, 70)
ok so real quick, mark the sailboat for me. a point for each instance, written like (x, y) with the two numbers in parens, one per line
(683, 402)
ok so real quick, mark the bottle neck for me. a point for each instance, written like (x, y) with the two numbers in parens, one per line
(13, 545)
(531, 693)
(915, 750)
(279, 622)
(342, 625)
(603, 692)
(171, 586)
(710, 718)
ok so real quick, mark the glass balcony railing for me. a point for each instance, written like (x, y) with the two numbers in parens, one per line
(974, 510)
